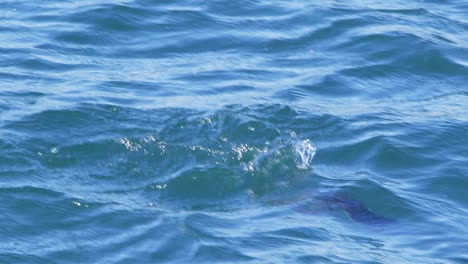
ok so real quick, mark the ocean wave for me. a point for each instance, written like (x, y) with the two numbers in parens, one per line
(254, 131)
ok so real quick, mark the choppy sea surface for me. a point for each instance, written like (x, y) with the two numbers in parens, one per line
(234, 131)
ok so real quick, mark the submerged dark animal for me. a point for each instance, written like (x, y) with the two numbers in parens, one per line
(355, 209)
(321, 203)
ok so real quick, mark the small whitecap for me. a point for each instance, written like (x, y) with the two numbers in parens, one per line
(249, 167)
(129, 145)
(150, 138)
(241, 150)
(305, 152)
(160, 186)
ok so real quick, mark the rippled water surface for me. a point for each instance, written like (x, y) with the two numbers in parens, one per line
(234, 131)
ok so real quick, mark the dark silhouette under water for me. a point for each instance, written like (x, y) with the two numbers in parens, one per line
(330, 202)
(355, 209)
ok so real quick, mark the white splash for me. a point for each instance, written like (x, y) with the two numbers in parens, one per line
(305, 152)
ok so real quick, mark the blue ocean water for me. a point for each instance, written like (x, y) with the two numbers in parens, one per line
(247, 131)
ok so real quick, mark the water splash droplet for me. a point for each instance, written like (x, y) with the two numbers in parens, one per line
(305, 151)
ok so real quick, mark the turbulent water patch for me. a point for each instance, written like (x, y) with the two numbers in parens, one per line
(140, 131)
